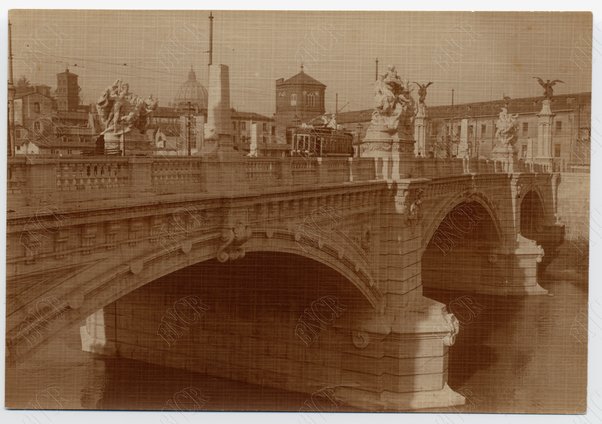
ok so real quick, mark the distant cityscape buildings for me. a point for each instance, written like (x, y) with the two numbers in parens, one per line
(444, 127)
(56, 123)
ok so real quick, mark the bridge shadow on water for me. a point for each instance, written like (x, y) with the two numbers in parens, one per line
(521, 354)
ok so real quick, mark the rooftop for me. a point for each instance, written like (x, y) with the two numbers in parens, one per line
(300, 79)
(249, 116)
(488, 108)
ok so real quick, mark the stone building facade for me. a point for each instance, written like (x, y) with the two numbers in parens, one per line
(571, 127)
(299, 99)
(54, 125)
(67, 91)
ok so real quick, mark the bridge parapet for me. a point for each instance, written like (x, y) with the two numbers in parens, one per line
(35, 181)
(32, 182)
(388, 168)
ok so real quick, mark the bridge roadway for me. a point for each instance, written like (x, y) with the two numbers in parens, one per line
(87, 236)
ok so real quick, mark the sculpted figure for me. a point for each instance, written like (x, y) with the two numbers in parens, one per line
(422, 91)
(548, 91)
(121, 111)
(105, 103)
(506, 127)
(393, 104)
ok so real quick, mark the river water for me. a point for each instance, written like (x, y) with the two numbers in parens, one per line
(513, 354)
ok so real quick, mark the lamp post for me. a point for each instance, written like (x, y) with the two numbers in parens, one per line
(188, 119)
(11, 97)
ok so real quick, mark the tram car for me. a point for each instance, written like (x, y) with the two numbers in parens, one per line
(321, 141)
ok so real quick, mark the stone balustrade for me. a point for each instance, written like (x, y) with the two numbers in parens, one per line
(35, 181)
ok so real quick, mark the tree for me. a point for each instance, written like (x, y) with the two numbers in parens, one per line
(23, 82)
(23, 86)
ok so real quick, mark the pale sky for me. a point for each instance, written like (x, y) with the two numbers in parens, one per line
(481, 55)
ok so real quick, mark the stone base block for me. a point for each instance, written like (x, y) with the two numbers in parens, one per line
(390, 401)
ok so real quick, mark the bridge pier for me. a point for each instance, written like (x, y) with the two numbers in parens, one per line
(369, 365)
(398, 361)
(484, 269)
(390, 358)
(517, 268)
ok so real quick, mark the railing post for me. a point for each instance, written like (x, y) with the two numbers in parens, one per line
(41, 181)
(322, 171)
(141, 175)
(286, 172)
(350, 168)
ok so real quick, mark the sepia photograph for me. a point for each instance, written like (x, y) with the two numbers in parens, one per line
(297, 211)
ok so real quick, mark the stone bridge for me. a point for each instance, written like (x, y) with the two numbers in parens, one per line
(343, 248)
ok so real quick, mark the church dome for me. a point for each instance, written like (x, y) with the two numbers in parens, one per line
(191, 91)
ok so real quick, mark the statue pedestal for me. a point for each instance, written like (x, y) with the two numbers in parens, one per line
(506, 156)
(545, 118)
(420, 132)
(132, 143)
(394, 155)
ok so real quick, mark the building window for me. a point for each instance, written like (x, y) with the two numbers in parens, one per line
(36, 107)
(273, 130)
(234, 125)
(558, 126)
(483, 129)
(36, 126)
(311, 99)
(525, 128)
(556, 150)
(265, 127)
(243, 126)
(293, 99)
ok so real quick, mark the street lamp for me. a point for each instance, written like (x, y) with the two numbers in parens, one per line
(188, 122)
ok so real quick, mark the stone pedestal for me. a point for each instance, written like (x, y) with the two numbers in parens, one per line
(394, 154)
(132, 143)
(420, 132)
(505, 157)
(545, 118)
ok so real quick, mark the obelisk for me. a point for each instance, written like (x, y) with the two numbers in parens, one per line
(218, 130)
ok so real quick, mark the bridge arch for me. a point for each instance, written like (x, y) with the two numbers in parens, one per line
(532, 214)
(434, 220)
(105, 282)
(462, 239)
